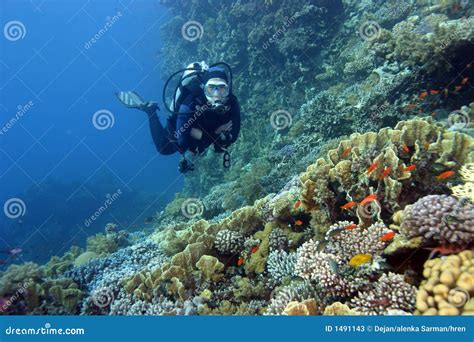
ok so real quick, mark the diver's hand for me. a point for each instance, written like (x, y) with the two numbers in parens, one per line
(223, 128)
(196, 133)
(150, 107)
(185, 166)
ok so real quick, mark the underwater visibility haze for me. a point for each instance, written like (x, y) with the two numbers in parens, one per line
(241, 157)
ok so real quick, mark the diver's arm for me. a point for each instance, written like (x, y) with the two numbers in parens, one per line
(184, 132)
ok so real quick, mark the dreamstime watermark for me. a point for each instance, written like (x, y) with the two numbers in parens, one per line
(370, 210)
(455, 34)
(377, 111)
(14, 208)
(192, 30)
(107, 203)
(192, 207)
(458, 119)
(21, 110)
(458, 297)
(197, 113)
(281, 119)
(109, 22)
(46, 330)
(14, 30)
(281, 31)
(103, 119)
(22, 288)
(369, 30)
(103, 297)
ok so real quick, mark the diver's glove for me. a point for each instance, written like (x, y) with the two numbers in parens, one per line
(150, 107)
(185, 166)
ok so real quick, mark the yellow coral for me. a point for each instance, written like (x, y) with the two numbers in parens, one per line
(465, 190)
(449, 286)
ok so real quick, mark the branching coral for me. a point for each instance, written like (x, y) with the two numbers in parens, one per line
(390, 292)
(440, 220)
(281, 264)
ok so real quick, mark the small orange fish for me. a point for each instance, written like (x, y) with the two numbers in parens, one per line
(387, 236)
(240, 261)
(346, 151)
(348, 205)
(423, 95)
(409, 107)
(409, 168)
(298, 222)
(445, 174)
(405, 148)
(433, 114)
(446, 92)
(297, 204)
(351, 226)
(372, 167)
(368, 199)
(457, 88)
(385, 172)
(434, 92)
(464, 80)
(254, 249)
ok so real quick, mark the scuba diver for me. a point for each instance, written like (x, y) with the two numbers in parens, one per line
(204, 112)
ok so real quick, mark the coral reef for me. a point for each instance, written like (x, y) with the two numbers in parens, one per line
(390, 292)
(449, 286)
(440, 220)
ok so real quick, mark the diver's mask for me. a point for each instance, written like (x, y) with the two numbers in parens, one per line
(217, 92)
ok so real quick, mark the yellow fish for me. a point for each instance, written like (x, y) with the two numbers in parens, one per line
(360, 259)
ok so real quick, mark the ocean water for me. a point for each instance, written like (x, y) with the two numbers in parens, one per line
(351, 174)
(61, 63)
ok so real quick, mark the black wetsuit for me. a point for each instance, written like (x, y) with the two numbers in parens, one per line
(194, 113)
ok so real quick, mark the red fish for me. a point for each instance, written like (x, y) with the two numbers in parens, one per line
(351, 226)
(348, 205)
(346, 151)
(464, 80)
(372, 167)
(240, 261)
(368, 199)
(405, 148)
(409, 168)
(434, 92)
(297, 204)
(387, 236)
(298, 222)
(423, 95)
(254, 249)
(457, 88)
(385, 173)
(445, 174)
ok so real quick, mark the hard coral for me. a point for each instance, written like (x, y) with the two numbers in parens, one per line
(390, 292)
(449, 286)
(440, 220)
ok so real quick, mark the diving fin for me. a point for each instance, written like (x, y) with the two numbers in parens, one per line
(130, 99)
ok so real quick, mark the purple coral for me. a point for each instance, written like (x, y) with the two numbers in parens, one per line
(347, 243)
(389, 293)
(440, 220)
(323, 268)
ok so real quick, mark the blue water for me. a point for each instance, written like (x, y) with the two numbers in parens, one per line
(52, 157)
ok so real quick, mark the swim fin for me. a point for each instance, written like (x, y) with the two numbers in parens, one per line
(130, 99)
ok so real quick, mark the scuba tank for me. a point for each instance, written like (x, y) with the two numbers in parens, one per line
(190, 83)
